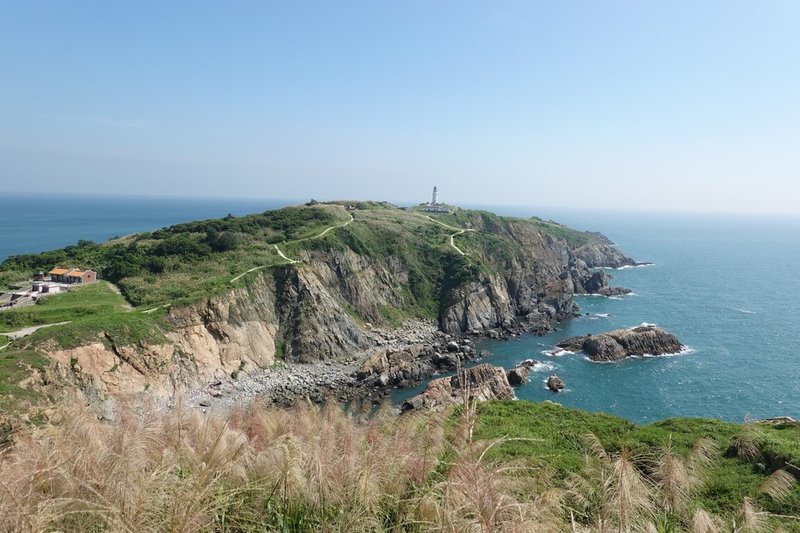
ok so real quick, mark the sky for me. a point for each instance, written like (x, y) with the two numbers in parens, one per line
(669, 106)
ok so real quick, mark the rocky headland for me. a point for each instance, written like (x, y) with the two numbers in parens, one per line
(379, 298)
(621, 343)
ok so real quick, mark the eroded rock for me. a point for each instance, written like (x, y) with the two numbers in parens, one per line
(621, 343)
(483, 382)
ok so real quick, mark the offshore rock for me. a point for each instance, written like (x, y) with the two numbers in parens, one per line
(554, 383)
(593, 282)
(482, 383)
(519, 375)
(613, 291)
(621, 343)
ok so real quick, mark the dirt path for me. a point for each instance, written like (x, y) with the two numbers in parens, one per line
(243, 274)
(337, 226)
(280, 253)
(453, 244)
(14, 335)
(126, 305)
(458, 231)
(290, 260)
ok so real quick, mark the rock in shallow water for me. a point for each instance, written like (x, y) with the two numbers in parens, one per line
(554, 383)
(483, 382)
(621, 343)
(519, 375)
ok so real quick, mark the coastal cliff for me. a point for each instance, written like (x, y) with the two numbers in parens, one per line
(335, 300)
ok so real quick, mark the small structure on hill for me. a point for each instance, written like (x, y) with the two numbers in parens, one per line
(72, 276)
(434, 206)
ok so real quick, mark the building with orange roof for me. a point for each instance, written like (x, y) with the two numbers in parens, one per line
(72, 275)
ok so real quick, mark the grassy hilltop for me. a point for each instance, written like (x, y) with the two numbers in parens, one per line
(187, 262)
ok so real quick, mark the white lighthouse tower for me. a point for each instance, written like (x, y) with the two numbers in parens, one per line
(435, 196)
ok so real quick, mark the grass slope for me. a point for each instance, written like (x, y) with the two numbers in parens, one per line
(183, 263)
(555, 434)
(82, 302)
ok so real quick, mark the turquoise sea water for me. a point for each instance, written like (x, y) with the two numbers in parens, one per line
(727, 287)
(37, 223)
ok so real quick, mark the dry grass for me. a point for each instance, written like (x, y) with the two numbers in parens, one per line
(314, 468)
(258, 469)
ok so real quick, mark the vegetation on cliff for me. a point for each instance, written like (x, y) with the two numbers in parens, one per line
(500, 466)
(186, 262)
(303, 283)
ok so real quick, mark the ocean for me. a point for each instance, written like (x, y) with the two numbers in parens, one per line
(727, 287)
(30, 224)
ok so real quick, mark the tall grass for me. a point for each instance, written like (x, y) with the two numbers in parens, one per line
(257, 469)
(313, 468)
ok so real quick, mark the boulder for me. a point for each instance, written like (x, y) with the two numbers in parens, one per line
(519, 375)
(483, 382)
(554, 383)
(621, 343)
(452, 346)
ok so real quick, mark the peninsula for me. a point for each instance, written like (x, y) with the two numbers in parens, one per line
(162, 371)
(200, 307)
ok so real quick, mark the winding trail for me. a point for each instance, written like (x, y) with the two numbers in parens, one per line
(458, 231)
(240, 275)
(453, 244)
(289, 259)
(280, 253)
(337, 226)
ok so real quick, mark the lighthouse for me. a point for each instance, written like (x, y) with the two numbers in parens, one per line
(435, 196)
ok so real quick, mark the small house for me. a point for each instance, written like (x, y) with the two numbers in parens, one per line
(72, 275)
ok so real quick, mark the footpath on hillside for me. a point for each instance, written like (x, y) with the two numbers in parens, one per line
(458, 231)
(24, 332)
(289, 260)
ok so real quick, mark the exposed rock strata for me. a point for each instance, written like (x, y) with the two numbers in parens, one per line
(519, 375)
(481, 383)
(323, 309)
(603, 253)
(621, 343)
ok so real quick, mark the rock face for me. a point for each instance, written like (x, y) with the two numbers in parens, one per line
(554, 383)
(321, 309)
(594, 282)
(483, 382)
(621, 343)
(602, 253)
(519, 375)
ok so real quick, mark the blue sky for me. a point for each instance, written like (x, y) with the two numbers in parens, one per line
(658, 105)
